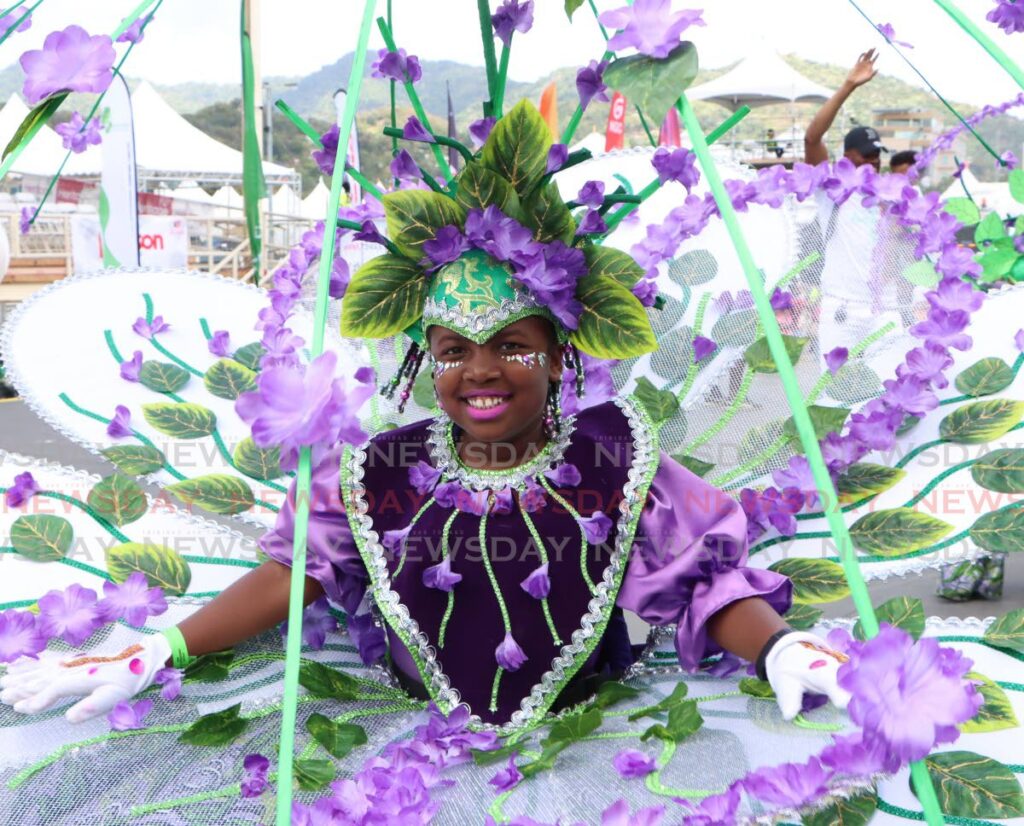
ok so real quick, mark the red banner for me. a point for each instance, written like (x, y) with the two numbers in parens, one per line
(69, 191)
(615, 134)
(150, 204)
(670, 134)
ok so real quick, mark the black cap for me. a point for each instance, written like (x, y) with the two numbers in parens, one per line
(865, 140)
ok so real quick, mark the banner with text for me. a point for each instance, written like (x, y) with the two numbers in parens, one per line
(162, 242)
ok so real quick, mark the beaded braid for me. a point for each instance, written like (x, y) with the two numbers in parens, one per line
(572, 361)
(407, 372)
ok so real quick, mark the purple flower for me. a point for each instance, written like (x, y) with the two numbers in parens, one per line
(797, 475)
(781, 300)
(317, 621)
(77, 136)
(300, 406)
(770, 187)
(20, 635)
(649, 26)
(889, 33)
(840, 452)
(220, 343)
(532, 499)
(1018, 340)
(492, 231)
(910, 395)
(170, 679)
(28, 215)
(424, 477)
(876, 430)
(255, 782)
(676, 165)
(1008, 160)
(537, 584)
(371, 641)
(558, 154)
(414, 131)
(618, 815)
(927, 363)
(790, 785)
(9, 20)
(717, 810)
(1008, 15)
(133, 600)
(135, 32)
(944, 328)
(148, 329)
(403, 166)
(118, 427)
(646, 291)
(805, 178)
(512, 16)
(70, 60)
(771, 508)
(503, 501)
(127, 716)
(24, 487)
(740, 193)
(446, 246)
(566, 475)
(325, 156)
(858, 756)
(474, 502)
(508, 777)
(596, 527)
(479, 130)
(397, 66)
(590, 83)
(592, 224)
(508, 654)
(394, 540)
(937, 233)
(280, 348)
(836, 358)
(550, 273)
(632, 763)
(445, 494)
(910, 695)
(703, 347)
(441, 576)
(72, 614)
(370, 234)
(340, 278)
(955, 294)
(913, 207)
(591, 194)
(957, 261)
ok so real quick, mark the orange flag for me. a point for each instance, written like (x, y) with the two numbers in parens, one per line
(549, 108)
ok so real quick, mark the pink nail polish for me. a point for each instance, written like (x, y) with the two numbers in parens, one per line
(818, 664)
(136, 666)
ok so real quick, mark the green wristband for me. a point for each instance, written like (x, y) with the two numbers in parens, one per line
(179, 651)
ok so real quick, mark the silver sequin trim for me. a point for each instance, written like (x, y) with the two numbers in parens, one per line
(477, 324)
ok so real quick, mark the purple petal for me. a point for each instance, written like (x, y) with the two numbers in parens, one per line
(631, 763)
(24, 487)
(836, 358)
(479, 130)
(1018, 340)
(537, 584)
(119, 427)
(509, 655)
(596, 527)
(170, 679)
(557, 156)
(69, 60)
(72, 614)
(20, 635)
(220, 344)
(508, 777)
(441, 576)
(126, 716)
(414, 131)
(703, 347)
(565, 475)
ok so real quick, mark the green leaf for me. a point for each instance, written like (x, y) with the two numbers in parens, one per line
(825, 420)
(979, 422)
(814, 580)
(489, 758)
(480, 187)
(612, 692)
(1001, 470)
(313, 774)
(337, 738)
(163, 567)
(900, 612)
(694, 465)
(118, 499)
(990, 228)
(1000, 531)
(136, 460)
(660, 405)
(737, 329)
(972, 785)
(865, 479)
(42, 538)
(547, 215)
(1017, 270)
(328, 683)
(677, 697)
(227, 379)
(423, 391)
(215, 492)
(217, 729)
(683, 720)
(517, 148)
(613, 324)
(995, 714)
(896, 531)
(162, 376)
(693, 268)
(964, 210)
(257, 462)
(575, 727)
(757, 688)
(654, 84)
(40, 113)
(922, 274)
(210, 668)
(855, 810)
(385, 296)
(1007, 631)
(759, 357)
(250, 355)
(180, 420)
(546, 761)
(415, 215)
(855, 382)
(997, 262)
(614, 264)
(802, 617)
(1016, 181)
(985, 377)
(571, 6)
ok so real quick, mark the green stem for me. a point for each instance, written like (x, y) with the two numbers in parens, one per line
(444, 140)
(728, 124)
(487, 38)
(502, 81)
(391, 90)
(647, 129)
(692, 370)
(983, 40)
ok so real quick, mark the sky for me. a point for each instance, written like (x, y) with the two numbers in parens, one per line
(197, 40)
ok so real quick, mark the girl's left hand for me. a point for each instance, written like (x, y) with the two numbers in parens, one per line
(799, 663)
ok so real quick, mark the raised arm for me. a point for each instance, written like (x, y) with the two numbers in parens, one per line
(863, 70)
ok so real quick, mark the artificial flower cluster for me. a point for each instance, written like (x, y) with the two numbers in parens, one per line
(1008, 15)
(70, 60)
(946, 140)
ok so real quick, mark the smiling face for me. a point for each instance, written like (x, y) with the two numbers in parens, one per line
(496, 391)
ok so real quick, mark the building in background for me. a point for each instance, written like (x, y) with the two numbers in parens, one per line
(918, 128)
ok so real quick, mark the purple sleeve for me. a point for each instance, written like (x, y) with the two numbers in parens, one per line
(689, 561)
(331, 553)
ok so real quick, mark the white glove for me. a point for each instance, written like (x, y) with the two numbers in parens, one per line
(34, 685)
(799, 663)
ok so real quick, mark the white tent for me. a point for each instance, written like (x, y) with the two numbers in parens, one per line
(594, 142)
(287, 201)
(314, 205)
(227, 198)
(989, 196)
(760, 79)
(46, 152)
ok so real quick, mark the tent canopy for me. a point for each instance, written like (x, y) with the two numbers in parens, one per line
(760, 79)
(988, 195)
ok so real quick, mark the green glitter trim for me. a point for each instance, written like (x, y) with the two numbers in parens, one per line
(405, 547)
(544, 561)
(445, 533)
(584, 545)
